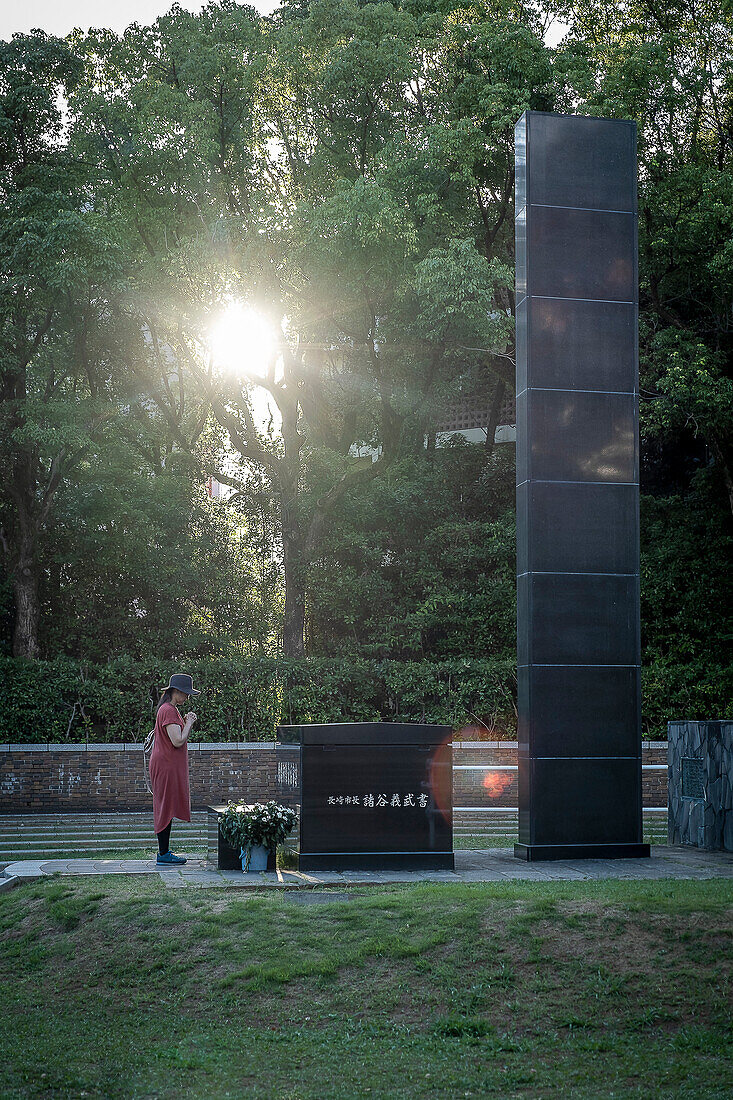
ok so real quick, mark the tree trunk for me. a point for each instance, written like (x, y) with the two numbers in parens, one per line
(720, 458)
(497, 401)
(292, 533)
(24, 557)
(294, 616)
(27, 611)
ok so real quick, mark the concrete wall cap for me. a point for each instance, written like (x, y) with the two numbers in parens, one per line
(136, 746)
(133, 746)
(485, 744)
(219, 745)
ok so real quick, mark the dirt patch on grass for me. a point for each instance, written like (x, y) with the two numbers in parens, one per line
(592, 932)
(23, 919)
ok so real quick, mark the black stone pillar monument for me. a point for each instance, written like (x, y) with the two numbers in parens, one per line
(578, 647)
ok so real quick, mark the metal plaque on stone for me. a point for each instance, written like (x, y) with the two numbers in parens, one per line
(693, 780)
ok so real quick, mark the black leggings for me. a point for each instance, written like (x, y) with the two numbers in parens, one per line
(164, 837)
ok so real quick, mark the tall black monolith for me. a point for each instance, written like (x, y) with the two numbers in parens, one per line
(578, 645)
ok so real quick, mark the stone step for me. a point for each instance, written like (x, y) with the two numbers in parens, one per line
(24, 820)
(480, 831)
(461, 821)
(10, 855)
(121, 830)
(98, 830)
(464, 831)
(31, 836)
(98, 853)
(65, 840)
(111, 824)
(49, 835)
(97, 841)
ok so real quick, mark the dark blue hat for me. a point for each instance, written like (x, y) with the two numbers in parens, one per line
(181, 682)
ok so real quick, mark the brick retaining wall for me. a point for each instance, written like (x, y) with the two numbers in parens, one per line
(75, 778)
(80, 778)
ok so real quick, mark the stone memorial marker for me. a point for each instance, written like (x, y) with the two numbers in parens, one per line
(700, 780)
(372, 795)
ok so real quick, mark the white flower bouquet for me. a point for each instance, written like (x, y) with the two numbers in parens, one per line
(264, 824)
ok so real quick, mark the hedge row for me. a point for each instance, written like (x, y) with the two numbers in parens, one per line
(245, 699)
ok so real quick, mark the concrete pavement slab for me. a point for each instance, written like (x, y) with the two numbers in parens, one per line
(486, 865)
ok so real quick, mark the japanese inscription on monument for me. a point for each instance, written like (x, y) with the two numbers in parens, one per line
(371, 801)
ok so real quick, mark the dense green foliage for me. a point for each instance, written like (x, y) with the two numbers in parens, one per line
(347, 169)
(166, 572)
(391, 578)
(66, 701)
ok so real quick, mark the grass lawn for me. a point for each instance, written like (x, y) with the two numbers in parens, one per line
(121, 987)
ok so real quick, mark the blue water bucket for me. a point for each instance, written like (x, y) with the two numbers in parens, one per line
(257, 858)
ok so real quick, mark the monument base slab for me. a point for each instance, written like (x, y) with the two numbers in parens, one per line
(534, 853)
(376, 861)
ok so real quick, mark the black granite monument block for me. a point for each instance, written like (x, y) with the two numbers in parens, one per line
(372, 795)
(578, 637)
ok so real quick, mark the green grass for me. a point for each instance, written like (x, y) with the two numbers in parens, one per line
(461, 843)
(120, 987)
(196, 852)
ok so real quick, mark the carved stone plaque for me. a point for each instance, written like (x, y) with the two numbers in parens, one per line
(692, 778)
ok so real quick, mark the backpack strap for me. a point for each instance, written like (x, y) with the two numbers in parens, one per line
(147, 750)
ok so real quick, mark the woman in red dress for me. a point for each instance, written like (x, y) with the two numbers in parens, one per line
(169, 764)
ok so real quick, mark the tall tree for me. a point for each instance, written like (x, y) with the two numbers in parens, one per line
(291, 194)
(670, 67)
(56, 255)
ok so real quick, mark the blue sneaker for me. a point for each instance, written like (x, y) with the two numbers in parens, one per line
(170, 858)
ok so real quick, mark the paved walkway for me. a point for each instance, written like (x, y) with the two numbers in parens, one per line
(487, 865)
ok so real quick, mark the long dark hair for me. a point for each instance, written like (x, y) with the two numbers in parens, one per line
(158, 696)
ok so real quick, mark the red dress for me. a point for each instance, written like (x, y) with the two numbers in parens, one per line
(169, 772)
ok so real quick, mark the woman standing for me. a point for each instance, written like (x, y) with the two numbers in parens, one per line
(169, 764)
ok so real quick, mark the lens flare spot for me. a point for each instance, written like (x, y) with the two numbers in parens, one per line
(497, 782)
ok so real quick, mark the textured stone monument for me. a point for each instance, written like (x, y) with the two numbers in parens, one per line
(700, 778)
(578, 634)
